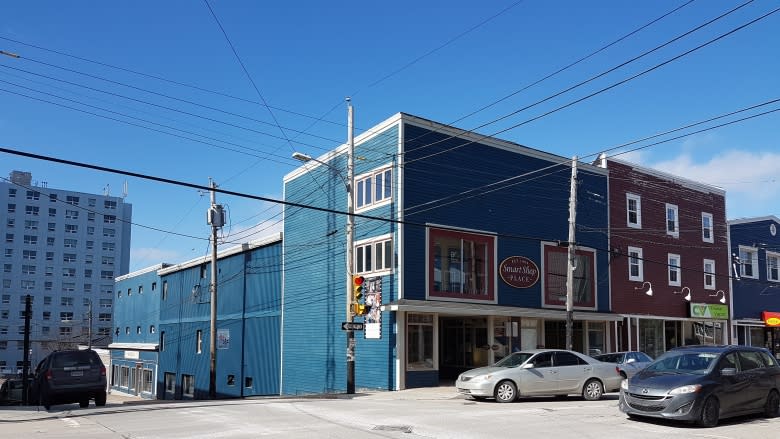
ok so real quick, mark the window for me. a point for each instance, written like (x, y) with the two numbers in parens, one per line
(108, 246)
(109, 204)
(420, 329)
(70, 199)
(706, 227)
(66, 301)
(105, 303)
(90, 230)
(373, 189)
(68, 272)
(147, 381)
(127, 330)
(28, 284)
(140, 289)
(7, 268)
(49, 256)
(88, 259)
(635, 264)
(9, 252)
(71, 228)
(106, 274)
(30, 255)
(6, 283)
(65, 331)
(633, 211)
(709, 274)
(672, 220)
(162, 341)
(87, 273)
(198, 341)
(129, 292)
(138, 330)
(28, 269)
(104, 317)
(3, 330)
(71, 214)
(4, 314)
(33, 195)
(87, 287)
(104, 330)
(45, 329)
(31, 210)
(47, 300)
(92, 202)
(47, 286)
(109, 233)
(10, 222)
(11, 208)
(52, 212)
(165, 290)
(109, 219)
(674, 269)
(11, 192)
(31, 239)
(170, 382)
(90, 216)
(6, 298)
(773, 266)
(748, 262)
(151, 329)
(90, 245)
(188, 385)
(71, 243)
(459, 265)
(66, 316)
(69, 257)
(9, 238)
(154, 286)
(50, 241)
(555, 268)
(30, 225)
(375, 256)
(52, 227)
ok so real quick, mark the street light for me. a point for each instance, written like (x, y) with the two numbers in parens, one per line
(350, 238)
(649, 291)
(687, 296)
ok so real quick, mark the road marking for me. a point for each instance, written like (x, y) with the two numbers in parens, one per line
(71, 422)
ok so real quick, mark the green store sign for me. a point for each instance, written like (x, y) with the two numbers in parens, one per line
(709, 311)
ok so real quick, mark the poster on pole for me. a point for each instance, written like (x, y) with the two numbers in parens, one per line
(373, 300)
(223, 338)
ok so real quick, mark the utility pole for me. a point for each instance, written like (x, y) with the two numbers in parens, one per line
(216, 218)
(350, 244)
(26, 346)
(572, 255)
(89, 316)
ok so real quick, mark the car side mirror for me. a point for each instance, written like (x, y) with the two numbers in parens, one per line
(728, 372)
(528, 366)
(631, 360)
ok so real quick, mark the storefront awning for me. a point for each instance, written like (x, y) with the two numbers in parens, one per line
(480, 309)
(134, 346)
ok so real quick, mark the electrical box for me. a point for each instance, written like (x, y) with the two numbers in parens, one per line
(215, 216)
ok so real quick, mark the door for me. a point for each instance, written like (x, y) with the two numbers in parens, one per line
(541, 379)
(571, 372)
(732, 387)
(758, 381)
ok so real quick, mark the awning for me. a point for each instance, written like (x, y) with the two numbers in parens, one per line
(481, 309)
(134, 346)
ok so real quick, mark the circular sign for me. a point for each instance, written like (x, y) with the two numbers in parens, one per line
(773, 229)
(519, 271)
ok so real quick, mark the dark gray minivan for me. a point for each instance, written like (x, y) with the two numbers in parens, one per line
(70, 376)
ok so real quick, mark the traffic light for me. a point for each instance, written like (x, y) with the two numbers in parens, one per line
(357, 288)
(359, 309)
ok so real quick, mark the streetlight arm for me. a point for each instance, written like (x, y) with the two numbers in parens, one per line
(307, 158)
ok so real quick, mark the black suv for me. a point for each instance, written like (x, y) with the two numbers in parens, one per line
(70, 376)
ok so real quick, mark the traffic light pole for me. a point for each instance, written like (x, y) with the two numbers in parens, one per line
(350, 245)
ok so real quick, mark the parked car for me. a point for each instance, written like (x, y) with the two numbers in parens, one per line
(538, 372)
(627, 363)
(704, 384)
(11, 390)
(70, 376)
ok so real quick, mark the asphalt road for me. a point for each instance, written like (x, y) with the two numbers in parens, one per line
(408, 414)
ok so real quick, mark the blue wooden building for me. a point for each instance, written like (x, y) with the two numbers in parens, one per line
(755, 243)
(134, 351)
(464, 238)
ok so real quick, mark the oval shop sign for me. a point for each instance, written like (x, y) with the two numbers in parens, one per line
(519, 271)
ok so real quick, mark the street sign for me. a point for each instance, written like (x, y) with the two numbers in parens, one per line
(352, 326)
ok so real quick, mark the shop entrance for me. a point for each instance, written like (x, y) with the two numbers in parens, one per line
(463, 345)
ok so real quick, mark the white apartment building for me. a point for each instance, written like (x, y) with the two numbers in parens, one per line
(64, 249)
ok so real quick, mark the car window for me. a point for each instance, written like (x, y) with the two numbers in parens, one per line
(610, 358)
(567, 359)
(729, 361)
(750, 360)
(542, 360)
(690, 362)
(769, 360)
(641, 356)
(74, 359)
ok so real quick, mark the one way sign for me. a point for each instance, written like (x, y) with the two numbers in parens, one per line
(352, 326)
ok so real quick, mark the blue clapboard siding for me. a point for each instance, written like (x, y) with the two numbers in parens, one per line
(445, 183)
(752, 296)
(315, 281)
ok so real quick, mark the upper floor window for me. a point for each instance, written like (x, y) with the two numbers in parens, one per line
(70, 199)
(33, 195)
(30, 239)
(748, 262)
(674, 270)
(71, 214)
(11, 192)
(52, 211)
(31, 210)
(11, 207)
(634, 211)
(92, 202)
(108, 204)
(71, 228)
(374, 188)
(635, 264)
(709, 274)
(556, 267)
(109, 219)
(109, 233)
(460, 264)
(706, 227)
(672, 220)
(52, 197)
(29, 254)
(31, 225)
(773, 266)
(374, 256)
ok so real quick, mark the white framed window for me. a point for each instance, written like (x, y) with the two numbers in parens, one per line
(198, 341)
(33, 195)
(188, 385)
(374, 256)
(633, 211)
(707, 228)
(71, 228)
(420, 336)
(635, 264)
(709, 274)
(672, 220)
(674, 270)
(748, 262)
(374, 188)
(773, 266)
(109, 219)
(71, 214)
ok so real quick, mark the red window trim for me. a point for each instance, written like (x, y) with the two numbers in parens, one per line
(548, 300)
(489, 240)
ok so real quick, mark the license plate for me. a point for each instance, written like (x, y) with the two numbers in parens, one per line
(77, 373)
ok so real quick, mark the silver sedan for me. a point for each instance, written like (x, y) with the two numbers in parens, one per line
(540, 372)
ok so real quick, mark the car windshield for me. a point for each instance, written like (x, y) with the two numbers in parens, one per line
(610, 358)
(74, 359)
(514, 359)
(697, 363)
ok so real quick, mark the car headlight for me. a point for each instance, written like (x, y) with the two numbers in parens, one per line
(482, 377)
(693, 388)
(624, 384)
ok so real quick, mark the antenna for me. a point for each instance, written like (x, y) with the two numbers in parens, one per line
(124, 190)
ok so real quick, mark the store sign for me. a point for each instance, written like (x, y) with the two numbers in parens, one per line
(519, 272)
(709, 311)
(771, 318)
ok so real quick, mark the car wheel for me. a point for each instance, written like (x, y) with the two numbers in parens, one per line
(100, 399)
(623, 374)
(593, 390)
(84, 402)
(506, 391)
(710, 412)
(772, 406)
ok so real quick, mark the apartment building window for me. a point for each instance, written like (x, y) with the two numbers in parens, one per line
(66, 301)
(9, 238)
(106, 289)
(33, 195)
(198, 341)
(65, 331)
(709, 274)
(71, 228)
(47, 285)
(674, 269)
(109, 219)
(28, 269)
(162, 341)
(6, 283)
(69, 257)
(3, 330)
(105, 303)
(90, 245)
(31, 210)
(90, 216)
(374, 188)
(633, 211)
(748, 262)
(71, 214)
(10, 222)
(3, 346)
(109, 233)
(30, 255)
(773, 266)
(672, 220)
(50, 241)
(31, 239)
(635, 264)
(7, 268)
(71, 243)
(11, 192)
(30, 224)
(66, 316)
(28, 284)
(90, 230)
(52, 212)
(154, 286)
(109, 246)
(92, 202)
(47, 300)
(9, 252)
(165, 290)
(4, 314)
(70, 199)
(49, 256)
(103, 330)
(88, 273)
(49, 271)
(374, 256)
(86, 301)
(45, 330)
(68, 272)
(11, 208)
(104, 317)
(106, 274)
(52, 227)
(20, 331)
(47, 315)
(6, 298)
(88, 259)
(108, 204)
(707, 228)
(88, 287)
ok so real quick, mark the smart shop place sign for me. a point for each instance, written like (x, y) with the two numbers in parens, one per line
(519, 271)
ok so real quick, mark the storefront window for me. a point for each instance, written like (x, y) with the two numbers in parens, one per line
(419, 329)
(596, 338)
(651, 337)
(556, 266)
(703, 332)
(757, 337)
(459, 265)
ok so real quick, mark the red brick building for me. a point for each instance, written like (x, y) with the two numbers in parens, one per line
(669, 259)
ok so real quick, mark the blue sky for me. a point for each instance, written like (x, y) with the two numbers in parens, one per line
(441, 60)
